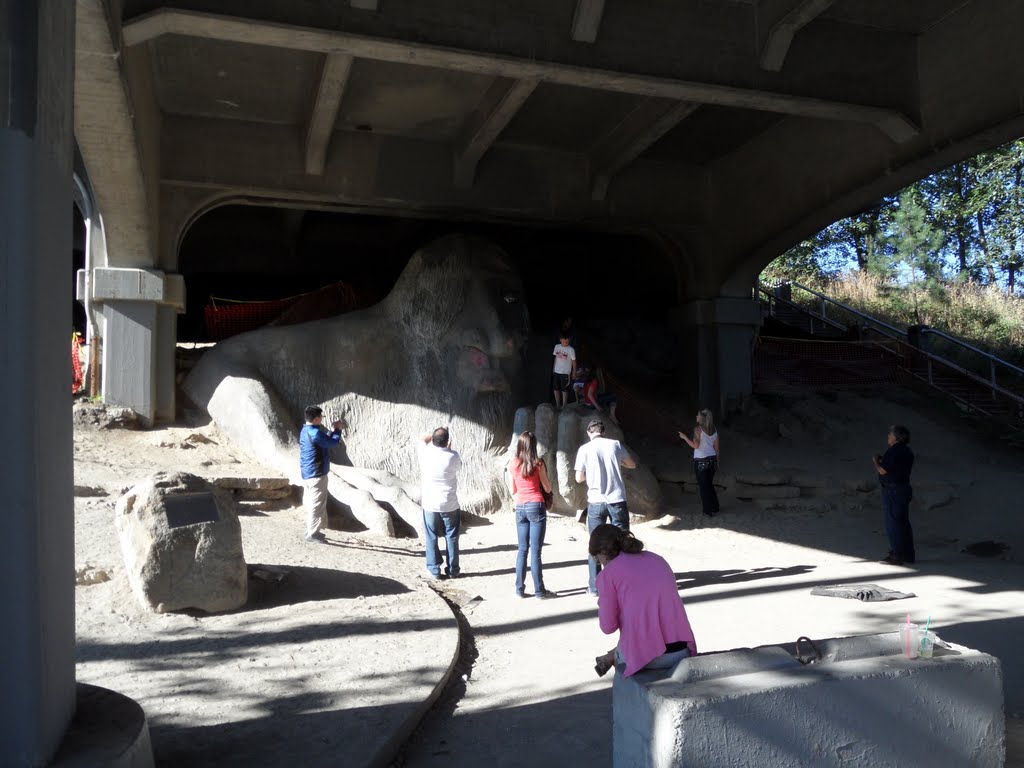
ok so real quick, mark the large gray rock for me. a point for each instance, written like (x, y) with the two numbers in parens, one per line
(182, 544)
(443, 349)
(559, 437)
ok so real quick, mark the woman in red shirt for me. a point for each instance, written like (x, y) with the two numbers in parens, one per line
(529, 477)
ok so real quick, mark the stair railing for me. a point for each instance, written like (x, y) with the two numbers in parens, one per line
(774, 300)
(995, 364)
(868, 322)
(938, 364)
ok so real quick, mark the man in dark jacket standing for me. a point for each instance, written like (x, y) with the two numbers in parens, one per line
(315, 444)
(894, 475)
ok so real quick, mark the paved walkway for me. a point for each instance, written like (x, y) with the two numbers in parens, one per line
(532, 694)
(338, 662)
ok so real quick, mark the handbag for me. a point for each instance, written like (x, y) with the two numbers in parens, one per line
(549, 496)
(549, 499)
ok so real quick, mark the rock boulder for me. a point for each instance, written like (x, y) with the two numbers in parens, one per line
(182, 544)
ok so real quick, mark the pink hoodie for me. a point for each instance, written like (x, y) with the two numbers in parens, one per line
(639, 598)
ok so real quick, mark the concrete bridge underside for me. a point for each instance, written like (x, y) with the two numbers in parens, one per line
(725, 132)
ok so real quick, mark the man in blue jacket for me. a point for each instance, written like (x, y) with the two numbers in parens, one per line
(315, 444)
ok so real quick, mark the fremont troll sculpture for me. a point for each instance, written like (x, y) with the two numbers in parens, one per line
(445, 347)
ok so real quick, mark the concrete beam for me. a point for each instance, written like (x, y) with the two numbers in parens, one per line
(145, 285)
(648, 123)
(499, 105)
(893, 123)
(364, 5)
(202, 158)
(783, 19)
(333, 79)
(586, 21)
(106, 132)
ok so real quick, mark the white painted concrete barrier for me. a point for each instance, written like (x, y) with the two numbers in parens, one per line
(862, 705)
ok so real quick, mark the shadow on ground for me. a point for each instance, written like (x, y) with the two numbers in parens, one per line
(560, 732)
(292, 584)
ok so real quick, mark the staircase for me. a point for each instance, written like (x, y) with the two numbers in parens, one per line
(865, 351)
(971, 392)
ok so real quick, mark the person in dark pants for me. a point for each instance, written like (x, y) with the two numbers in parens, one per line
(893, 469)
(705, 459)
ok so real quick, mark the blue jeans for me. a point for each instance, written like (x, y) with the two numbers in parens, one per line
(531, 523)
(596, 515)
(436, 525)
(896, 506)
(665, 661)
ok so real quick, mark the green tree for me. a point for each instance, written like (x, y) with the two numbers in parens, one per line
(863, 234)
(808, 261)
(997, 204)
(947, 197)
(918, 244)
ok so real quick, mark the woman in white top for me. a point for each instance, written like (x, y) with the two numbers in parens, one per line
(705, 459)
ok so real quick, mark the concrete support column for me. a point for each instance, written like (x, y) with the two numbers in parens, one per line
(139, 309)
(719, 335)
(37, 698)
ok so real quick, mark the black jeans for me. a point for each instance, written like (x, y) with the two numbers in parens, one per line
(705, 471)
(896, 506)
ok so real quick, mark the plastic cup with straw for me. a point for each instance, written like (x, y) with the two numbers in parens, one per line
(910, 639)
(927, 643)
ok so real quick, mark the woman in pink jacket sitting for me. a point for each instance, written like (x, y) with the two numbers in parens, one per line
(639, 598)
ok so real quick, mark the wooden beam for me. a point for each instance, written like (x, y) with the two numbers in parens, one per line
(586, 21)
(333, 80)
(627, 141)
(499, 105)
(893, 123)
(797, 14)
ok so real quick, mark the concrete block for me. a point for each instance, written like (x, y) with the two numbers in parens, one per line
(114, 283)
(863, 704)
(128, 284)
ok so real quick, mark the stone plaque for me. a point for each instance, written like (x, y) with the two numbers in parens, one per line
(190, 509)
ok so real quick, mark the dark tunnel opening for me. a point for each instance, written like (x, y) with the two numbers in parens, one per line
(618, 288)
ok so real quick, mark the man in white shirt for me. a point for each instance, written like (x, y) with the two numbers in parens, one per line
(439, 466)
(599, 464)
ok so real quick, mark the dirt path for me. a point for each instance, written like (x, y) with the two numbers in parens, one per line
(228, 685)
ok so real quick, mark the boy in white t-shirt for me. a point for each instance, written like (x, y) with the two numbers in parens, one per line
(564, 370)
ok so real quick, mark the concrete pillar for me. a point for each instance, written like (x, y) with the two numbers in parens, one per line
(139, 308)
(37, 698)
(719, 335)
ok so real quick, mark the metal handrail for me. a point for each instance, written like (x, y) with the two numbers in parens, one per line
(992, 359)
(902, 336)
(893, 331)
(773, 298)
(933, 358)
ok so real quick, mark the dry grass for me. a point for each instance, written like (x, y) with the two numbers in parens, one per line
(984, 316)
